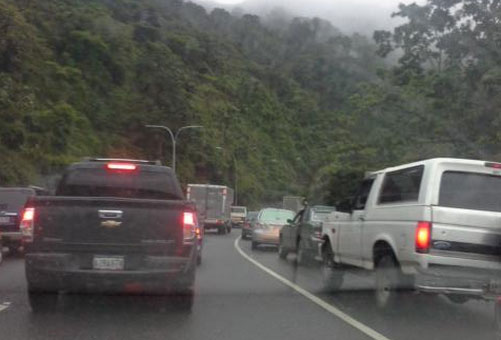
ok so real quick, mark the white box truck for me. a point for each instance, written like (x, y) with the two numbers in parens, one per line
(213, 205)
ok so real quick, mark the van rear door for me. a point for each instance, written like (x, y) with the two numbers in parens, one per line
(467, 219)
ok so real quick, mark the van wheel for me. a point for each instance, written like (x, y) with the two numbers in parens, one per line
(389, 280)
(332, 276)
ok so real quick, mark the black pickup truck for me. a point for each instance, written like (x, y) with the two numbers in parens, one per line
(113, 226)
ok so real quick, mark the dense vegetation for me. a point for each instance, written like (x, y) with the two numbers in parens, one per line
(288, 106)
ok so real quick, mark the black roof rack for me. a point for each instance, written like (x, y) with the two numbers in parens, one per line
(135, 161)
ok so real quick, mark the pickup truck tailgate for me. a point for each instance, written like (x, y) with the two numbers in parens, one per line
(69, 222)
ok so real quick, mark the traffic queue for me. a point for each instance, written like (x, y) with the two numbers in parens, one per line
(432, 226)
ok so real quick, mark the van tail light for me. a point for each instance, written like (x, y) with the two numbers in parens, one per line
(423, 237)
(189, 226)
(27, 225)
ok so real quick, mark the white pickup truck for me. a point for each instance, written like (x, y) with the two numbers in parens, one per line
(434, 226)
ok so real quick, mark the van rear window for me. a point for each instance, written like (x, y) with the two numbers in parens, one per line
(470, 191)
(402, 185)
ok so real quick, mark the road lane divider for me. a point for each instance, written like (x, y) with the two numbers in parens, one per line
(312, 297)
(4, 306)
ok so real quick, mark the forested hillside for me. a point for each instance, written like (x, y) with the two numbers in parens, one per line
(297, 107)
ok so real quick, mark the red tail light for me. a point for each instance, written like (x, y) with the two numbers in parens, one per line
(27, 224)
(423, 237)
(121, 166)
(189, 226)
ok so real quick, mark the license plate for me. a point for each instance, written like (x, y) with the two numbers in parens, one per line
(108, 262)
(4, 220)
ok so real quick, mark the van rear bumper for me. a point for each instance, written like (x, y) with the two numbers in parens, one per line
(446, 279)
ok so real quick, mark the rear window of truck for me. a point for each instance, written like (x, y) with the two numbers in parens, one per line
(402, 185)
(468, 190)
(13, 200)
(97, 182)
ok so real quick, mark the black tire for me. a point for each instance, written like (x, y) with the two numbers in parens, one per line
(458, 299)
(254, 245)
(1, 252)
(222, 230)
(42, 301)
(389, 281)
(228, 230)
(199, 259)
(332, 275)
(282, 252)
(497, 317)
(303, 256)
(244, 236)
(184, 300)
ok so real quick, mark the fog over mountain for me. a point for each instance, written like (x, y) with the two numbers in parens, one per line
(362, 16)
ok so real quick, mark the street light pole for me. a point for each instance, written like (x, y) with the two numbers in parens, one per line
(173, 138)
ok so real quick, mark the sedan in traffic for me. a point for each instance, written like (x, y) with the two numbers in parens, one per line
(268, 224)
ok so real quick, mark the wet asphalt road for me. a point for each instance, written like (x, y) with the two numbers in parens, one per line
(237, 300)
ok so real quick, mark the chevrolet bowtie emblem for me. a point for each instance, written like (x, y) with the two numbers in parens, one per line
(110, 224)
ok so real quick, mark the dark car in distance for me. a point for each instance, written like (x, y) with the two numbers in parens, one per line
(303, 234)
(248, 224)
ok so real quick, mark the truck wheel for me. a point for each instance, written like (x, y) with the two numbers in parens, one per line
(41, 301)
(389, 280)
(282, 252)
(332, 276)
(254, 245)
(184, 299)
(303, 257)
(457, 299)
(228, 229)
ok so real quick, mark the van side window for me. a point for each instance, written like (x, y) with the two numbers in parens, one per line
(402, 185)
(362, 195)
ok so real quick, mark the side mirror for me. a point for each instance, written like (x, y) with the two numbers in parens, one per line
(345, 206)
(289, 221)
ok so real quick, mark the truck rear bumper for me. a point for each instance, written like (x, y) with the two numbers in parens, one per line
(459, 280)
(157, 274)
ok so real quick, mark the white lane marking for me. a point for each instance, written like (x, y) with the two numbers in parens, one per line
(327, 306)
(4, 306)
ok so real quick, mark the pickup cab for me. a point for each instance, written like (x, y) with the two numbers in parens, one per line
(113, 226)
(434, 226)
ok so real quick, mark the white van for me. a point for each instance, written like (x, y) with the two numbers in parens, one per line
(434, 225)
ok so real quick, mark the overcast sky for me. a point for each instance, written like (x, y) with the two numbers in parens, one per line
(349, 15)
